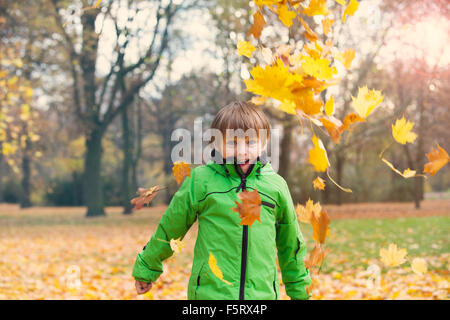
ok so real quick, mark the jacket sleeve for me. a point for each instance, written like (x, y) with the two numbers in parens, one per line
(175, 222)
(291, 249)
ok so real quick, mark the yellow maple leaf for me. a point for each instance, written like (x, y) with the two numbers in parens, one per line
(285, 15)
(419, 266)
(271, 81)
(341, 2)
(319, 183)
(245, 48)
(392, 256)
(318, 155)
(304, 213)
(345, 57)
(437, 158)
(401, 131)
(350, 10)
(215, 268)
(316, 7)
(366, 101)
(180, 170)
(318, 68)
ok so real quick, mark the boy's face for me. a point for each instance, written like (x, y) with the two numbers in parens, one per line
(245, 148)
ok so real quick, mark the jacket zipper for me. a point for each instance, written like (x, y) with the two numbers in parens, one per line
(244, 232)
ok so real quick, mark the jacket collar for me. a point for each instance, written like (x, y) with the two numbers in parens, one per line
(232, 168)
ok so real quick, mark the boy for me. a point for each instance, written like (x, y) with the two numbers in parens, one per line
(245, 255)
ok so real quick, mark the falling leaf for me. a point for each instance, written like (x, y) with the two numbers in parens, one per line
(215, 268)
(145, 196)
(333, 126)
(401, 131)
(250, 208)
(258, 100)
(245, 48)
(271, 81)
(366, 101)
(350, 10)
(437, 158)
(419, 266)
(392, 256)
(345, 57)
(329, 106)
(316, 256)
(341, 2)
(318, 155)
(309, 34)
(285, 15)
(326, 25)
(304, 213)
(319, 183)
(407, 173)
(349, 119)
(316, 7)
(320, 226)
(258, 25)
(180, 170)
(98, 3)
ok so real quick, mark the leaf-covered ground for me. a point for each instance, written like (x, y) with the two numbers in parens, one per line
(56, 253)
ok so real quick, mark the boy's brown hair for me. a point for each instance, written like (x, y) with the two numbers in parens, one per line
(241, 115)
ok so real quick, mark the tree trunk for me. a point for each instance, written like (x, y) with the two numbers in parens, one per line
(127, 206)
(339, 170)
(420, 158)
(286, 145)
(26, 173)
(93, 192)
(1, 172)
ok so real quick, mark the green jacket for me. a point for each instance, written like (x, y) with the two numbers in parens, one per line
(245, 255)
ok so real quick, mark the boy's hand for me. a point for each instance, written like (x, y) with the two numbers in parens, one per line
(142, 287)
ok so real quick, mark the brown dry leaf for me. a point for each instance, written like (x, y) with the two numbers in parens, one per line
(320, 226)
(250, 208)
(316, 256)
(180, 170)
(258, 25)
(145, 196)
(437, 158)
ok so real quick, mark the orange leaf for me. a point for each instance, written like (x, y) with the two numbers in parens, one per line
(250, 208)
(146, 195)
(333, 126)
(257, 26)
(180, 170)
(309, 34)
(316, 256)
(320, 226)
(437, 158)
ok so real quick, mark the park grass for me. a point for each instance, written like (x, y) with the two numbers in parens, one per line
(354, 242)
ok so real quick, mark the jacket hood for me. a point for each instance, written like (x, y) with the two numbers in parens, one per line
(229, 166)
